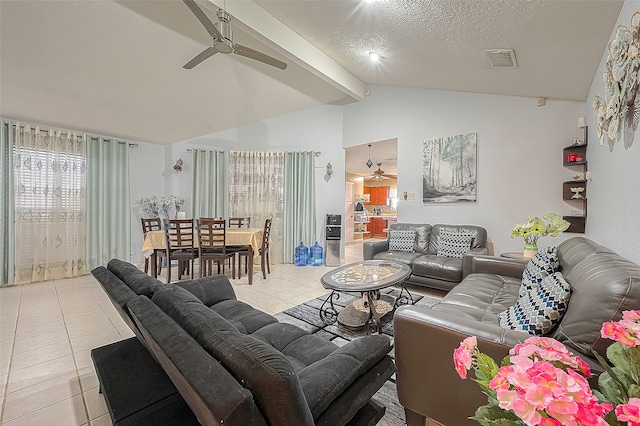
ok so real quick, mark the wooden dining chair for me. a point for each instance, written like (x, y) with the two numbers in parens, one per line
(152, 224)
(212, 245)
(239, 222)
(263, 252)
(179, 237)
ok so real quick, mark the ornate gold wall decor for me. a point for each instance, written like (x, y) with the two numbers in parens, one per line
(620, 108)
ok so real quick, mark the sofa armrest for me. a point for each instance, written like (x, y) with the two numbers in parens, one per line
(210, 290)
(426, 379)
(493, 265)
(467, 259)
(371, 248)
(325, 380)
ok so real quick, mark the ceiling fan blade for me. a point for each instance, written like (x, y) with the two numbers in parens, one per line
(204, 19)
(206, 53)
(259, 56)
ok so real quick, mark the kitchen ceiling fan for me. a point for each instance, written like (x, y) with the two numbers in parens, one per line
(221, 34)
(380, 174)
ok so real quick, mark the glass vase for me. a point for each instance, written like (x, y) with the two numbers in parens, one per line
(530, 250)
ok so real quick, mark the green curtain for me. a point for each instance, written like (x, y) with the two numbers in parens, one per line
(299, 202)
(209, 184)
(108, 231)
(6, 204)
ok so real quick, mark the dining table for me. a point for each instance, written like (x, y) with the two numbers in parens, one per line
(244, 238)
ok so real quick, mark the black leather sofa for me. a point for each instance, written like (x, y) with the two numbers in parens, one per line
(233, 364)
(427, 268)
(603, 284)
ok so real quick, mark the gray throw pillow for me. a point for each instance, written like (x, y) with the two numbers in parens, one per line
(401, 240)
(454, 244)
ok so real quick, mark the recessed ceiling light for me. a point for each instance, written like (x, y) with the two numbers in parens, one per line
(375, 57)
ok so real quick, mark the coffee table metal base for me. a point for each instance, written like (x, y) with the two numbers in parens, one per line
(357, 319)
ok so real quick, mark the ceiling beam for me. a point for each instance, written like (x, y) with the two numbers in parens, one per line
(255, 21)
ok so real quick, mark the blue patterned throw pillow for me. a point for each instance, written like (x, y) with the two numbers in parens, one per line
(454, 244)
(539, 310)
(544, 263)
(402, 240)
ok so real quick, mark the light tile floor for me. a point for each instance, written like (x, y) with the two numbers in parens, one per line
(47, 331)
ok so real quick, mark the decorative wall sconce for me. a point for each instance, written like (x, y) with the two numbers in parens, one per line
(178, 166)
(328, 173)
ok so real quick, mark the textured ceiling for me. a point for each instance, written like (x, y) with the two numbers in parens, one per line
(439, 44)
(115, 67)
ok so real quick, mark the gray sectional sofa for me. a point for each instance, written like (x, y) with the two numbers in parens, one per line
(233, 364)
(427, 267)
(602, 283)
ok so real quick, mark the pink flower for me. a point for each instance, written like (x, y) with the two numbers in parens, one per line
(526, 411)
(629, 412)
(616, 331)
(463, 355)
(563, 409)
(631, 316)
(547, 421)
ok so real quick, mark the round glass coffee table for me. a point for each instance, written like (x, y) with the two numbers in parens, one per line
(367, 277)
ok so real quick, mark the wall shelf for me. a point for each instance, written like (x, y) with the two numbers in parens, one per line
(575, 156)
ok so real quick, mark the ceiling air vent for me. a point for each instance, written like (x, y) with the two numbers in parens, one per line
(502, 58)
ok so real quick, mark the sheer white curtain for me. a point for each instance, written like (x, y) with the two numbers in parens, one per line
(256, 189)
(49, 193)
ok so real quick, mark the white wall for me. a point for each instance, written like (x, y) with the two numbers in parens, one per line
(147, 177)
(315, 129)
(614, 192)
(519, 152)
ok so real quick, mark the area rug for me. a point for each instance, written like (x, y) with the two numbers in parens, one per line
(307, 317)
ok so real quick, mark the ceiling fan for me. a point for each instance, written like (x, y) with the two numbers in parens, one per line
(221, 34)
(380, 174)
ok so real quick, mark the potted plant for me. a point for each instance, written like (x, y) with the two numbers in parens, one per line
(534, 228)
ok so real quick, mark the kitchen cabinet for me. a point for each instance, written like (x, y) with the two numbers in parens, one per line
(361, 226)
(377, 226)
(378, 194)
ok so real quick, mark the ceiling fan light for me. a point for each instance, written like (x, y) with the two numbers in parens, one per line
(375, 57)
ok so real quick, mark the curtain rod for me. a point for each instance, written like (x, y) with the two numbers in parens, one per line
(315, 153)
(109, 138)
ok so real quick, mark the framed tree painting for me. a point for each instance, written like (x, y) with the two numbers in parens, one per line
(449, 172)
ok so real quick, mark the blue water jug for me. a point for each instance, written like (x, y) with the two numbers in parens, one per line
(316, 255)
(302, 255)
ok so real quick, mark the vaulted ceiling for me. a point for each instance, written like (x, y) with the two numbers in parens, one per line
(115, 67)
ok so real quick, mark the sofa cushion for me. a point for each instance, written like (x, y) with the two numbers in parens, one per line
(423, 232)
(243, 316)
(603, 284)
(405, 257)
(478, 233)
(301, 348)
(540, 309)
(441, 267)
(137, 280)
(402, 240)
(454, 244)
(544, 263)
(257, 365)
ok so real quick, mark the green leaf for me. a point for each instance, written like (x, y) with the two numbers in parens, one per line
(634, 391)
(492, 415)
(613, 387)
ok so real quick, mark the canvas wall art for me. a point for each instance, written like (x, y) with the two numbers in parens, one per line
(450, 169)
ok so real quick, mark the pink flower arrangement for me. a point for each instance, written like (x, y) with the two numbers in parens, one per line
(541, 383)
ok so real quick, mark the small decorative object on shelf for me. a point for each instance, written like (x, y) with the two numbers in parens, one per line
(534, 228)
(577, 191)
